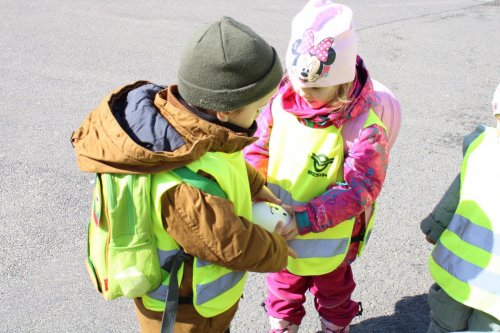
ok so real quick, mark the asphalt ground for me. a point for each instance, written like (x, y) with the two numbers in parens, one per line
(59, 58)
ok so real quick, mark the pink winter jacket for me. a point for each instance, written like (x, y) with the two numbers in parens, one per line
(366, 157)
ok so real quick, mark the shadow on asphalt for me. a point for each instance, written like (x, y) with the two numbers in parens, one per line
(411, 315)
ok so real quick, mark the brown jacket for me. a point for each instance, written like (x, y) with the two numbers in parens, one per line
(144, 128)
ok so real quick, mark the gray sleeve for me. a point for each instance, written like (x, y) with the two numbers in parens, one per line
(437, 221)
(471, 137)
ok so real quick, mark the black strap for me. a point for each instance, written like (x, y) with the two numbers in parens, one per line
(186, 300)
(360, 312)
(172, 297)
(358, 238)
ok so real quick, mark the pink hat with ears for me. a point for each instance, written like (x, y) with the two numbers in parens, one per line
(495, 103)
(323, 46)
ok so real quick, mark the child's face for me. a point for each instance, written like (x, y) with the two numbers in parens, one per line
(317, 97)
(245, 116)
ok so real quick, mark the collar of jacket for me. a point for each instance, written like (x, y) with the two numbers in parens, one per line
(199, 128)
(102, 146)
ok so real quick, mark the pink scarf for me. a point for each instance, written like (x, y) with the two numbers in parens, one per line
(361, 96)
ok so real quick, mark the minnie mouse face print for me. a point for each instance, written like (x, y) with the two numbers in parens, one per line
(312, 61)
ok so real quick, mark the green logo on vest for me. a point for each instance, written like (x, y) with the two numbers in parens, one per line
(320, 163)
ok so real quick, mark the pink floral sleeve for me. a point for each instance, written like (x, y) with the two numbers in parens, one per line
(365, 167)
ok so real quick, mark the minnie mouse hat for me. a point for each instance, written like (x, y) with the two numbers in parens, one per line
(323, 46)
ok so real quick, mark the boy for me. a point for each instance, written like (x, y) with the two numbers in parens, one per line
(465, 226)
(227, 72)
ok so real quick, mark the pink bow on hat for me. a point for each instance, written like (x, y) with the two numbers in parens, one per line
(320, 51)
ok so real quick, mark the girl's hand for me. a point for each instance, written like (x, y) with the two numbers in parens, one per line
(289, 231)
(265, 194)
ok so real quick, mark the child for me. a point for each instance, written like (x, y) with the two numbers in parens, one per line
(323, 145)
(465, 226)
(227, 72)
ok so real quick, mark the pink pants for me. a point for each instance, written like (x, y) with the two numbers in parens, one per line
(332, 295)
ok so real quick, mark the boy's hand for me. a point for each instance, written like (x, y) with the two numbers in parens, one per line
(278, 230)
(292, 253)
(290, 231)
(265, 194)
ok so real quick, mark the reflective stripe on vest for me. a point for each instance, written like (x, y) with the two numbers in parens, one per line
(210, 290)
(466, 260)
(215, 288)
(319, 248)
(160, 293)
(303, 163)
(465, 271)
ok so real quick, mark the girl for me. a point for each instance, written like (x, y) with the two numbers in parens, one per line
(323, 144)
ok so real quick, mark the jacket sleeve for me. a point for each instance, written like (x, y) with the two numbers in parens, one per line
(206, 227)
(257, 154)
(255, 178)
(365, 167)
(437, 221)
(440, 217)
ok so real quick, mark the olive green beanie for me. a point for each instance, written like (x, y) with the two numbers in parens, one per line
(226, 66)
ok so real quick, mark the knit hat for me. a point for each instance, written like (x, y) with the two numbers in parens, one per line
(323, 47)
(226, 66)
(495, 103)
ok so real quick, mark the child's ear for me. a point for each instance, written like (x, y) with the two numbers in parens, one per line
(223, 116)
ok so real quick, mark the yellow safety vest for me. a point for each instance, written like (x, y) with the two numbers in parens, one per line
(215, 288)
(465, 261)
(303, 162)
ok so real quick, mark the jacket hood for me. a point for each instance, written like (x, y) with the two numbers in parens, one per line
(146, 128)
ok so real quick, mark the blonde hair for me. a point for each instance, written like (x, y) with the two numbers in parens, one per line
(341, 98)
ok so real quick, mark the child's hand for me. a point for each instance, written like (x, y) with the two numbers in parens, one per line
(427, 238)
(292, 253)
(289, 231)
(265, 194)
(279, 227)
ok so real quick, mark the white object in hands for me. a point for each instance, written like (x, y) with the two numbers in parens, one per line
(267, 215)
